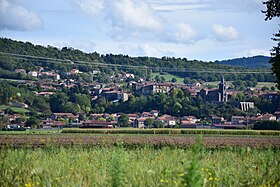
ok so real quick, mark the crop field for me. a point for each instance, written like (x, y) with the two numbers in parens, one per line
(173, 131)
(89, 159)
(139, 166)
(132, 141)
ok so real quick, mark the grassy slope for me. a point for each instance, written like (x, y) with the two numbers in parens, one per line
(15, 109)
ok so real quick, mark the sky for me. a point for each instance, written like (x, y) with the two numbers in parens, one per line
(194, 29)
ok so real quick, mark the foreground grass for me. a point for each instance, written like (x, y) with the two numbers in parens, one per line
(118, 166)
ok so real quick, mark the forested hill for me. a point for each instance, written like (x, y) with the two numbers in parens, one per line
(64, 59)
(248, 62)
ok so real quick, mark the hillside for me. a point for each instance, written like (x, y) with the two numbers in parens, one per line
(248, 62)
(33, 56)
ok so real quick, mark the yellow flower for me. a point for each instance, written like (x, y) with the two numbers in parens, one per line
(17, 177)
(181, 174)
(210, 178)
(161, 180)
(28, 185)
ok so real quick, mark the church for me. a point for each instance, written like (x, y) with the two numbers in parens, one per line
(217, 94)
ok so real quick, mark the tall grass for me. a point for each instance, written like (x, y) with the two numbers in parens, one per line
(119, 166)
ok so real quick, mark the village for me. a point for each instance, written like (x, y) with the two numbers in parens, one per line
(125, 86)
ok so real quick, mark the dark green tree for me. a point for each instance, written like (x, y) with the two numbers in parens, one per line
(32, 122)
(123, 120)
(272, 11)
(174, 80)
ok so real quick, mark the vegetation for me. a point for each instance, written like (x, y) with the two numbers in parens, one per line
(272, 11)
(267, 125)
(174, 131)
(113, 166)
(67, 58)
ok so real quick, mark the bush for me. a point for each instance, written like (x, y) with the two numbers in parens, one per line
(267, 125)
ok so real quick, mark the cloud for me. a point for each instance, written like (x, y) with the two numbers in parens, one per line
(253, 52)
(90, 7)
(207, 5)
(124, 18)
(183, 33)
(16, 17)
(225, 33)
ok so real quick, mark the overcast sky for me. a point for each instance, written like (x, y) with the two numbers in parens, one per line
(195, 29)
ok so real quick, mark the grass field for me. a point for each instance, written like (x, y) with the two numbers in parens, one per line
(15, 109)
(143, 166)
(267, 84)
(168, 77)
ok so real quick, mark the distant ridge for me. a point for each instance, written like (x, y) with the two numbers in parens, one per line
(248, 62)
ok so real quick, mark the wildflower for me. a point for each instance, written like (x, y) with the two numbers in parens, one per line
(181, 174)
(161, 180)
(210, 178)
(28, 185)
(17, 177)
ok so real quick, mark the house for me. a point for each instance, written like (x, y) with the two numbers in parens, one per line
(147, 115)
(56, 116)
(267, 117)
(237, 120)
(2, 112)
(49, 74)
(96, 116)
(184, 123)
(33, 73)
(115, 96)
(13, 117)
(98, 124)
(154, 112)
(46, 124)
(132, 118)
(46, 93)
(20, 71)
(191, 119)
(217, 120)
(151, 88)
(140, 122)
(74, 71)
(167, 120)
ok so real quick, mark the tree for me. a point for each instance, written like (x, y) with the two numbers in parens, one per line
(158, 124)
(123, 120)
(273, 10)
(174, 80)
(149, 122)
(157, 78)
(32, 122)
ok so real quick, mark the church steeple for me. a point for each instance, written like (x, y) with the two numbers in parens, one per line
(222, 90)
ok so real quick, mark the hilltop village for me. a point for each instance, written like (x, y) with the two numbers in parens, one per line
(125, 102)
